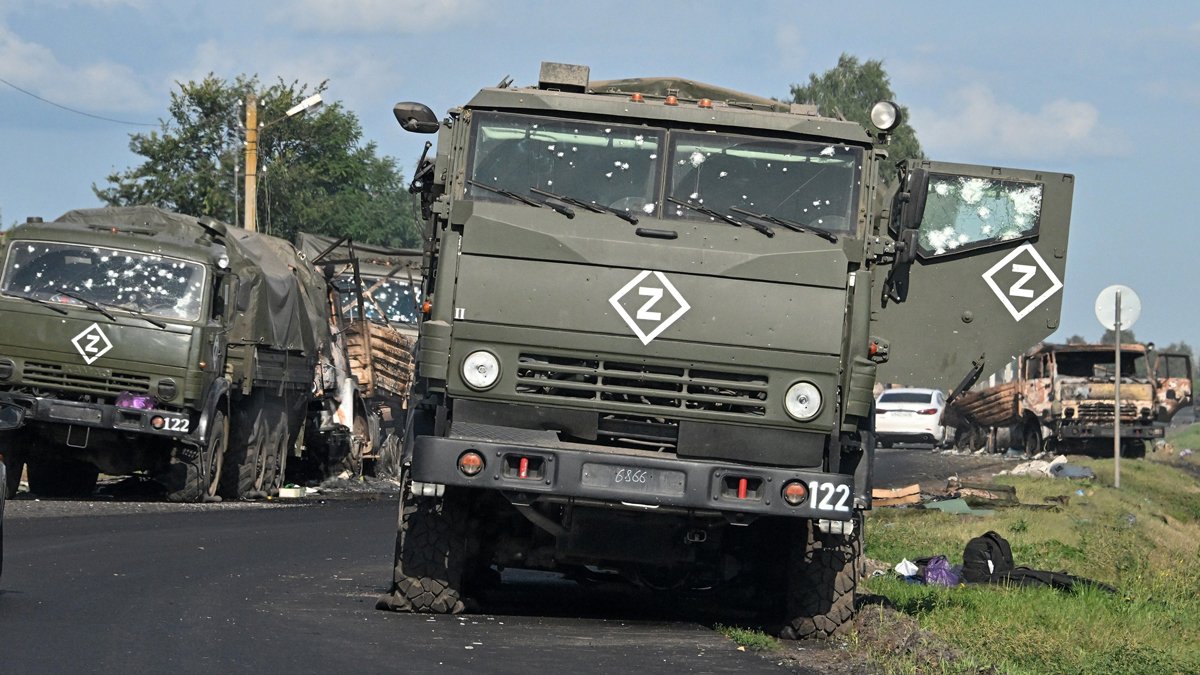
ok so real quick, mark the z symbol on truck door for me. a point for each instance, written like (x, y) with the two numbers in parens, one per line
(654, 302)
(1022, 280)
(92, 343)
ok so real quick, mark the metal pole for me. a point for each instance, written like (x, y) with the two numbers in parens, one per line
(1117, 401)
(251, 218)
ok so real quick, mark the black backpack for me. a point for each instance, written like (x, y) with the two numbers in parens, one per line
(986, 557)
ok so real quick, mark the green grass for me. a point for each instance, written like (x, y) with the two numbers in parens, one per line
(750, 639)
(1143, 539)
(1185, 437)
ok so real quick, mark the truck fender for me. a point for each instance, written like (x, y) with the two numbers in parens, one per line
(217, 392)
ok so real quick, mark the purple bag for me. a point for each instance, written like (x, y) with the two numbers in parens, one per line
(939, 573)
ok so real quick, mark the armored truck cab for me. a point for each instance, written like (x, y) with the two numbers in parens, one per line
(143, 341)
(655, 310)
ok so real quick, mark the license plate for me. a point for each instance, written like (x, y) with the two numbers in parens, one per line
(639, 479)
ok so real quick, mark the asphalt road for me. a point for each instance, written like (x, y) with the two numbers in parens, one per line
(126, 588)
(134, 586)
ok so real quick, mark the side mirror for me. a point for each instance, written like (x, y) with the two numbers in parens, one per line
(12, 416)
(416, 117)
(912, 198)
(242, 293)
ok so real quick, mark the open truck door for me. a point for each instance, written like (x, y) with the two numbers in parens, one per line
(1173, 375)
(978, 273)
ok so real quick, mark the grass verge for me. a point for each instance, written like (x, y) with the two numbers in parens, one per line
(1142, 539)
(750, 639)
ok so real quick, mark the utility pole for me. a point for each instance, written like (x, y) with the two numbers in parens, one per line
(251, 217)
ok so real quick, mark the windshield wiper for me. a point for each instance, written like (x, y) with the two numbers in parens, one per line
(590, 206)
(760, 227)
(793, 226)
(101, 307)
(141, 315)
(39, 301)
(506, 193)
(95, 307)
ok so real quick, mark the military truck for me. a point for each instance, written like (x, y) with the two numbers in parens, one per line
(655, 310)
(141, 341)
(1062, 398)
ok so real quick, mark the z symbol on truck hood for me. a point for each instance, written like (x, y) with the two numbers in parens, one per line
(656, 304)
(1022, 280)
(92, 343)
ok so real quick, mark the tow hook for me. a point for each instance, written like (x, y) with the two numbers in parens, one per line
(696, 536)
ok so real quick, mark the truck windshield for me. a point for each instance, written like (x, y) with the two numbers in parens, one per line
(808, 183)
(114, 278)
(1101, 364)
(610, 164)
(385, 300)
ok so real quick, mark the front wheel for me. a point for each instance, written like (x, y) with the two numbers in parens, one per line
(194, 474)
(822, 581)
(431, 555)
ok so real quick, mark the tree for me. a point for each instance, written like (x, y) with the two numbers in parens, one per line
(849, 90)
(1110, 337)
(1077, 339)
(1180, 347)
(314, 174)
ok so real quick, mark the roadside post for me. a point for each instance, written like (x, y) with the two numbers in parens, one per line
(1110, 304)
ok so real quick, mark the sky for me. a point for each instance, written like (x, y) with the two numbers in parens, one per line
(1107, 91)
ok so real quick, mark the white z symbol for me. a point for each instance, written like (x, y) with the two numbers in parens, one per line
(655, 294)
(1018, 290)
(91, 344)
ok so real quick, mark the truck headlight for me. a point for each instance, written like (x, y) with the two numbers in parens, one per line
(480, 369)
(803, 401)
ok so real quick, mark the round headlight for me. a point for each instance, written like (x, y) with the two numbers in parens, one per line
(885, 115)
(480, 369)
(803, 401)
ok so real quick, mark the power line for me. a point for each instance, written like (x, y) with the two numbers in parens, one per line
(77, 112)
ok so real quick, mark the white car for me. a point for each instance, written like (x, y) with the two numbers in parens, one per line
(910, 416)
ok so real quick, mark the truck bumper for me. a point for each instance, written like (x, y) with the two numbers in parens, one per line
(635, 480)
(1134, 431)
(40, 410)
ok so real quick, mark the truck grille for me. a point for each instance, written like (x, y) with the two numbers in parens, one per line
(1104, 411)
(668, 388)
(56, 376)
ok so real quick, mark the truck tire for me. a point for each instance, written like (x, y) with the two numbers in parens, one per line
(431, 551)
(61, 478)
(253, 463)
(1031, 438)
(14, 463)
(822, 580)
(195, 476)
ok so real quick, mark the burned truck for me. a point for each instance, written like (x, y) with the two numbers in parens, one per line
(141, 341)
(654, 313)
(374, 304)
(1062, 398)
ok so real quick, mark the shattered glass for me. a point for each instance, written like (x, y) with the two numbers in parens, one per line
(964, 212)
(157, 285)
(610, 165)
(808, 183)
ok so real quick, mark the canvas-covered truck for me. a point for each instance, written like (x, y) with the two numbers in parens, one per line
(1063, 398)
(141, 341)
(655, 312)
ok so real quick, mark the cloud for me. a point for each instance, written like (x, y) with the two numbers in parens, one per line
(975, 123)
(375, 16)
(100, 85)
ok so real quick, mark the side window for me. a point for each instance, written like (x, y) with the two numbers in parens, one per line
(1033, 368)
(962, 213)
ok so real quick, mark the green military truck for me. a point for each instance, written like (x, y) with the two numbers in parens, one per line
(140, 341)
(654, 314)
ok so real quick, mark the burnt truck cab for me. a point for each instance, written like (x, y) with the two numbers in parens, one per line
(655, 310)
(123, 342)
